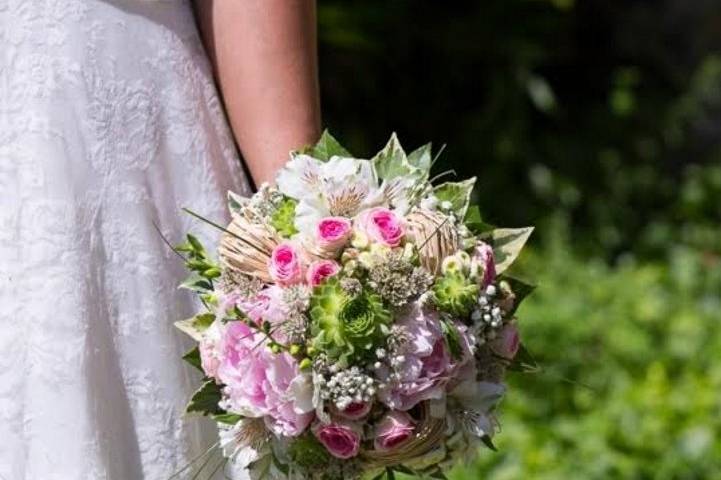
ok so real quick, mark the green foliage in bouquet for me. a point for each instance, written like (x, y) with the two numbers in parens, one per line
(307, 452)
(283, 219)
(347, 327)
(455, 294)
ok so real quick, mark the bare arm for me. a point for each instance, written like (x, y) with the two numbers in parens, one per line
(264, 53)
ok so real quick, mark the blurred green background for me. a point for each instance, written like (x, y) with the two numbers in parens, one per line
(599, 122)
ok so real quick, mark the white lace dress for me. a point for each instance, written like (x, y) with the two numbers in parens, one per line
(109, 121)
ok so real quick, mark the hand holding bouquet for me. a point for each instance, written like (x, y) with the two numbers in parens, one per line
(359, 322)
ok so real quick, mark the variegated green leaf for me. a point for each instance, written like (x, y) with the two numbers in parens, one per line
(195, 326)
(421, 157)
(391, 162)
(455, 196)
(507, 244)
(205, 400)
(327, 147)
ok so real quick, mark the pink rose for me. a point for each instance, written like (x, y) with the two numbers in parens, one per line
(354, 411)
(319, 271)
(382, 225)
(483, 254)
(395, 428)
(285, 266)
(507, 343)
(339, 439)
(333, 232)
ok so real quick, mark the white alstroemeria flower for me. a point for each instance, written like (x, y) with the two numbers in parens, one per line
(475, 401)
(339, 187)
(402, 192)
(245, 442)
(481, 396)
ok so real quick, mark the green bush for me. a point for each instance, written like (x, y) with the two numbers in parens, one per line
(631, 380)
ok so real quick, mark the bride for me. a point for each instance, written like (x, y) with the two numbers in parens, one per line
(110, 122)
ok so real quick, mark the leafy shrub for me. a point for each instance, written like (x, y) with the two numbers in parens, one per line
(632, 381)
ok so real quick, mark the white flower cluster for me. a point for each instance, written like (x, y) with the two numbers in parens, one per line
(345, 387)
(488, 315)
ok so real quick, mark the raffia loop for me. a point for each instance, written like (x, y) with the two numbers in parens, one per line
(435, 236)
(248, 247)
(429, 433)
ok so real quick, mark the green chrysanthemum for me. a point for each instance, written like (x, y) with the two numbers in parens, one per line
(455, 294)
(283, 219)
(345, 326)
(307, 452)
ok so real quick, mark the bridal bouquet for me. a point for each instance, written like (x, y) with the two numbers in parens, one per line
(359, 321)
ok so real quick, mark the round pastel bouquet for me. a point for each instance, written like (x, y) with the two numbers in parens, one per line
(358, 322)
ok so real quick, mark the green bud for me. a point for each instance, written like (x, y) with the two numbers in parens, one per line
(198, 265)
(195, 243)
(295, 349)
(305, 364)
(213, 272)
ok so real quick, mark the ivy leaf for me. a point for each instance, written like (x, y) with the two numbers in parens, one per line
(507, 244)
(524, 361)
(457, 194)
(421, 158)
(195, 326)
(193, 358)
(488, 442)
(196, 283)
(227, 418)
(520, 288)
(205, 400)
(235, 202)
(474, 221)
(327, 147)
(391, 161)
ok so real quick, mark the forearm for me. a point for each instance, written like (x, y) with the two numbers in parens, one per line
(264, 54)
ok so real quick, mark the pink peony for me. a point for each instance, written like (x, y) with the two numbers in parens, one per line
(382, 225)
(319, 271)
(426, 367)
(341, 440)
(507, 343)
(332, 233)
(262, 384)
(285, 265)
(395, 428)
(483, 254)
(266, 305)
(354, 411)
